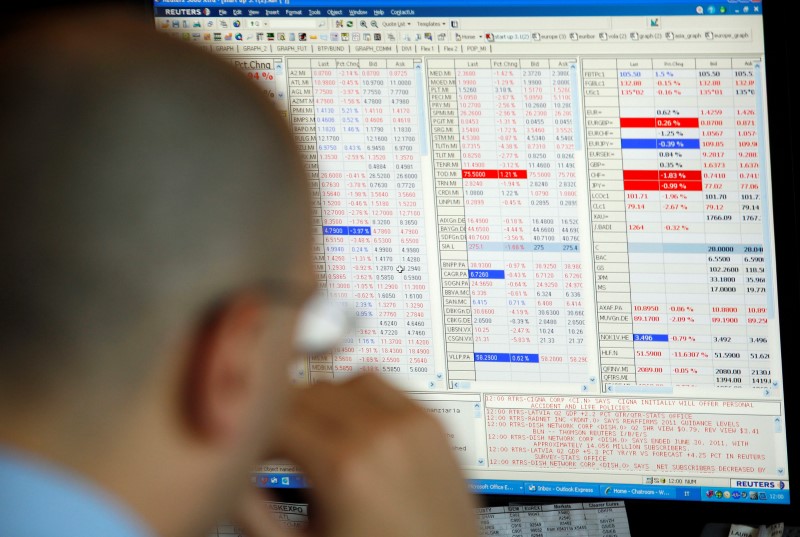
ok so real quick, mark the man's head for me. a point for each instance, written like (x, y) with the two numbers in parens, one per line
(147, 191)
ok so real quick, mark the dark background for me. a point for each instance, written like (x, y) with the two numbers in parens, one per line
(652, 518)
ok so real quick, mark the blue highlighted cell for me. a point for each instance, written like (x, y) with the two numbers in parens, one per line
(651, 337)
(523, 358)
(346, 230)
(678, 143)
(491, 357)
(487, 274)
(660, 143)
(519, 358)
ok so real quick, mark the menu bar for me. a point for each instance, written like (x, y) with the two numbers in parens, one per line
(207, 9)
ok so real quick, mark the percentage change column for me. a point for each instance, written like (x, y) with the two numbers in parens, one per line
(682, 217)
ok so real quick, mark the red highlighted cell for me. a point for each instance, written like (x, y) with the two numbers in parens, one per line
(479, 174)
(665, 122)
(689, 180)
(637, 122)
(494, 174)
(640, 175)
(686, 186)
(683, 175)
(641, 185)
(678, 122)
(664, 185)
(512, 174)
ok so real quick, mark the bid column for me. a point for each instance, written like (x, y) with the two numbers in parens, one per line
(452, 232)
(301, 110)
(609, 235)
(725, 310)
(378, 127)
(542, 192)
(725, 226)
(373, 178)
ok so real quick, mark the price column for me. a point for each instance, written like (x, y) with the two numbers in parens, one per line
(609, 226)
(302, 119)
(642, 147)
(335, 222)
(451, 221)
(479, 123)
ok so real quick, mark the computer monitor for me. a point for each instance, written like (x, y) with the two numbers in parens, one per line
(556, 223)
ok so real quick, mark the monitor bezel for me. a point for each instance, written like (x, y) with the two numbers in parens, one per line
(657, 517)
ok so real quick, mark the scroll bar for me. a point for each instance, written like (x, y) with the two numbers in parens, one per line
(765, 201)
(576, 119)
(423, 123)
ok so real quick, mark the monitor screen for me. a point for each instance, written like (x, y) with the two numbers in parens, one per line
(554, 222)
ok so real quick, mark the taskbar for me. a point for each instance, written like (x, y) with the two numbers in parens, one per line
(616, 491)
(627, 491)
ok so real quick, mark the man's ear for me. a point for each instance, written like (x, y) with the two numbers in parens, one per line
(220, 367)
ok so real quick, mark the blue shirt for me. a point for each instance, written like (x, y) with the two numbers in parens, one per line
(37, 499)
